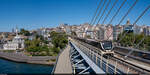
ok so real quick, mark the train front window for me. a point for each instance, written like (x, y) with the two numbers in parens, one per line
(107, 45)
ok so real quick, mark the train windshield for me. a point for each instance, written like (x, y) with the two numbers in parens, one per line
(107, 45)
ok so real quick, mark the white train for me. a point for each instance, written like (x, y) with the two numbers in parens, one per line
(106, 47)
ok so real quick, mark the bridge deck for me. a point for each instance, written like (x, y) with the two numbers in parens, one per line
(64, 64)
(89, 61)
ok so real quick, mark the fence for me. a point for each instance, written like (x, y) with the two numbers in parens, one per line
(99, 60)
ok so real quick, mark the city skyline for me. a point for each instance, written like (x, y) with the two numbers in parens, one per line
(32, 14)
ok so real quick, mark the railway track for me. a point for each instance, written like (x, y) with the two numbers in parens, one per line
(124, 65)
(132, 57)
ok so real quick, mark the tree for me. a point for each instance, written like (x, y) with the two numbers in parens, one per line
(73, 33)
(38, 46)
(59, 39)
(24, 32)
(128, 40)
(88, 36)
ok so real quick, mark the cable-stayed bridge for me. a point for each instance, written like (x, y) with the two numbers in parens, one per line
(101, 57)
(86, 59)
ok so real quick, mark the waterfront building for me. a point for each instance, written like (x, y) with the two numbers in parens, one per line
(15, 44)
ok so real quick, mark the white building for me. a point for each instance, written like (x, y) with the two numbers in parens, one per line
(15, 44)
(138, 29)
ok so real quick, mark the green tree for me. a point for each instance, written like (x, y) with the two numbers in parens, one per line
(38, 46)
(133, 39)
(24, 32)
(73, 33)
(59, 39)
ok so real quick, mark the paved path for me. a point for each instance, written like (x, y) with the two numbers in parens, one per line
(64, 64)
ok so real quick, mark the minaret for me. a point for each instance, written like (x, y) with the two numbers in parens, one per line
(16, 31)
(13, 30)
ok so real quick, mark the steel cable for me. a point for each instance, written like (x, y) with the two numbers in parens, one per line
(96, 11)
(117, 11)
(104, 11)
(99, 13)
(109, 11)
(136, 21)
(125, 16)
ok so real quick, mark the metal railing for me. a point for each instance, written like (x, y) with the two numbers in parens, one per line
(57, 60)
(100, 61)
(124, 67)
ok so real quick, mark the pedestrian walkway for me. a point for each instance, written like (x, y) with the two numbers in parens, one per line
(64, 65)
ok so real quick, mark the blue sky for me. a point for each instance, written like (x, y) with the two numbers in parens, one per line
(32, 14)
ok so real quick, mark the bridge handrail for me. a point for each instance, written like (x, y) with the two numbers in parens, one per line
(117, 71)
(137, 58)
(137, 50)
(141, 70)
(54, 68)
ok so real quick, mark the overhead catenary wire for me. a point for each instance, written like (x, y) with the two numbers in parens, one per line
(129, 10)
(96, 11)
(104, 11)
(117, 12)
(109, 11)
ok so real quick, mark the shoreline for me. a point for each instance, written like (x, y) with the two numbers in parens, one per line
(41, 60)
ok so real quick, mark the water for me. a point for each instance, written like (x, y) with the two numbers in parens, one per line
(9, 67)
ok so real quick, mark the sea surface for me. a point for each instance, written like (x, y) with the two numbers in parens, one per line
(10, 67)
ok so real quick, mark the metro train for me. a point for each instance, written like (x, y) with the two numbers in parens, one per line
(106, 47)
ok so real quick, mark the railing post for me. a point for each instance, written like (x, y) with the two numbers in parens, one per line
(73, 69)
(96, 58)
(128, 70)
(91, 55)
(115, 68)
(101, 60)
(107, 66)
